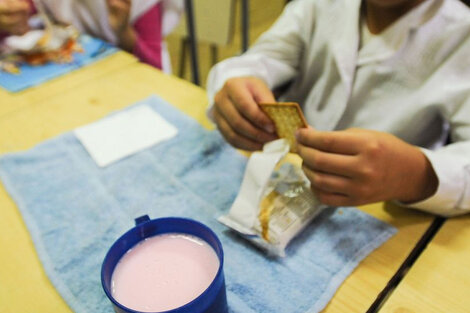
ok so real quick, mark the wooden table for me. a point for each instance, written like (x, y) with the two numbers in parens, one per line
(10, 102)
(439, 281)
(24, 286)
(361, 288)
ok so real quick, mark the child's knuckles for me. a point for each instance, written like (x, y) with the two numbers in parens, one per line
(237, 123)
(364, 192)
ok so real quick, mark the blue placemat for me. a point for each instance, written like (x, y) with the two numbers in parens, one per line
(94, 49)
(75, 210)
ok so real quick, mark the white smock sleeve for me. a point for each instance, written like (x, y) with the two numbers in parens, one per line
(275, 57)
(451, 164)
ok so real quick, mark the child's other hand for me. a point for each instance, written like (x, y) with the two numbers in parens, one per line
(119, 13)
(14, 15)
(238, 116)
(356, 166)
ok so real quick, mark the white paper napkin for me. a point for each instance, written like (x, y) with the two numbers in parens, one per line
(124, 134)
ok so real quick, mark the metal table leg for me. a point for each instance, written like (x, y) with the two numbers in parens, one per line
(192, 40)
(245, 14)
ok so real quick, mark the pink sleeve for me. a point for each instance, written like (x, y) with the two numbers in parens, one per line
(33, 8)
(148, 28)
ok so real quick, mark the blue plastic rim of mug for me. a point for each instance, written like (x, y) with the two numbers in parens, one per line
(212, 300)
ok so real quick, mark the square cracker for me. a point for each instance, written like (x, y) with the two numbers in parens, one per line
(287, 118)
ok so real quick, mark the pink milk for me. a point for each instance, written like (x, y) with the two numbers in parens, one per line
(164, 272)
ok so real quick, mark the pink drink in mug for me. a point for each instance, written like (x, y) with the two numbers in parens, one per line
(136, 248)
(164, 272)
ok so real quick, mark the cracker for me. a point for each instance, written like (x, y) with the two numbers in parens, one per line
(287, 118)
(266, 209)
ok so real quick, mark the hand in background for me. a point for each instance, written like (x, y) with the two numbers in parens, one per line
(238, 116)
(356, 166)
(14, 15)
(119, 13)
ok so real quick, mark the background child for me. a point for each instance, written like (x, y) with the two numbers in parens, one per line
(137, 26)
(398, 70)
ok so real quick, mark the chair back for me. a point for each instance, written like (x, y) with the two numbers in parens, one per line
(214, 21)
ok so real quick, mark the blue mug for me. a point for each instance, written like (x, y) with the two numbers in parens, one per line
(212, 300)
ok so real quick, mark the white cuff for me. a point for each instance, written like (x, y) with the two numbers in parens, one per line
(452, 196)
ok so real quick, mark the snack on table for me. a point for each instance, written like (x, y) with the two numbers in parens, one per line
(287, 118)
(38, 47)
(275, 202)
(62, 55)
(287, 206)
(9, 67)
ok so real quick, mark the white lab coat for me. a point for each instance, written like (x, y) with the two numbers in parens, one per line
(91, 16)
(412, 81)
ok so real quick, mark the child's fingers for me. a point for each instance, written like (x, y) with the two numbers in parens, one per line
(261, 93)
(125, 2)
(235, 139)
(19, 29)
(333, 199)
(14, 16)
(238, 123)
(341, 142)
(331, 163)
(12, 19)
(328, 183)
(119, 5)
(242, 98)
(15, 6)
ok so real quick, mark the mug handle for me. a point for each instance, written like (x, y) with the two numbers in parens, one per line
(142, 219)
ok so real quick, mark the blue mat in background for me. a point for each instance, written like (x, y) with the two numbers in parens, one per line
(94, 49)
(75, 210)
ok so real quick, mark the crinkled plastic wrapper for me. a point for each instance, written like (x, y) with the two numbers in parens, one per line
(275, 202)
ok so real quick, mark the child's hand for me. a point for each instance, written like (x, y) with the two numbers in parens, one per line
(238, 116)
(119, 13)
(14, 15)
(357, 166)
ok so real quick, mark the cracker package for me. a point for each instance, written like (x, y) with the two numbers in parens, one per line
(275, 201)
